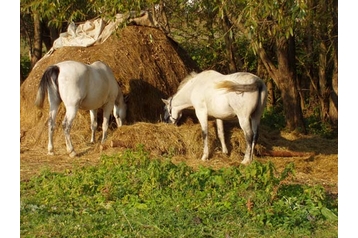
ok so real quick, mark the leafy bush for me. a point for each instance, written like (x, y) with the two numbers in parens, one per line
(133, 195)
(274, 118)
(25, 66)
(318, 127)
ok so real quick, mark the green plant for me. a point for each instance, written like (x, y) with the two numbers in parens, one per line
(274, 118)
(318, 127)
(134, 195)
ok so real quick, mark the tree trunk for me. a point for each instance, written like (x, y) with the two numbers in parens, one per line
(284, 78)
(333, 104)
(286, 81)
(229, 44)
(49, 35)
(160, 16)
(36, 53)
(328, 62)
(324, 89)
(271, 99)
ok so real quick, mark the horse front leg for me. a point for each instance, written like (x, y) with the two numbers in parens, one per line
(203, 119)
(117, 115)
(106, 113)
(220, 129)
(93, 115)
(67, 124)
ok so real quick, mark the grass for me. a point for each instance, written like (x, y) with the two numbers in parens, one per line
(134, 195)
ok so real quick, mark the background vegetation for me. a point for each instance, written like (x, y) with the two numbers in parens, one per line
(291, 44)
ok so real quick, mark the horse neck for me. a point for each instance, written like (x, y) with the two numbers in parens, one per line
(181, 99)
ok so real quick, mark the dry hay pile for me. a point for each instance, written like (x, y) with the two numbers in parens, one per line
(150, 66)
(147, 63)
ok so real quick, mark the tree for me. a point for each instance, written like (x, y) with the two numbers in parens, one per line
(323, 48)
(49, 18)
(271, 25)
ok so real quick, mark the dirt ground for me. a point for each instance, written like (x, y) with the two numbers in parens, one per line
(318, 163)
(149, 66)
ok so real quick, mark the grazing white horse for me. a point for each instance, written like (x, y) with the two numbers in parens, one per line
(80, 86)
(224, 97)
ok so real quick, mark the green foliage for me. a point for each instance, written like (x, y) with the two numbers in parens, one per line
(266, 20)
(207, 57)
(25, 65)
(133, 195)
(316, 126)
(274, 119)
(55, 13)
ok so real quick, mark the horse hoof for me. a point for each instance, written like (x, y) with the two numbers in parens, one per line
(51, 153)
(72, 154)
(246, 162)
(204, 158)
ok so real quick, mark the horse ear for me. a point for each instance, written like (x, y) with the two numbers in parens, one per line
(166, 102)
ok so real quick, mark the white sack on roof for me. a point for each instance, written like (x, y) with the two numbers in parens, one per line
(88, 33)
(97, 31)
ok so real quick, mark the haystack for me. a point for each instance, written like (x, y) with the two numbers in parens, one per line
(148, 64)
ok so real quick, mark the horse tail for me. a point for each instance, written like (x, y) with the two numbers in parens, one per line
(260, 106)
(235, 87)
(49, 82)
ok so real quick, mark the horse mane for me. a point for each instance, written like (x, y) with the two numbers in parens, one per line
(186, 79)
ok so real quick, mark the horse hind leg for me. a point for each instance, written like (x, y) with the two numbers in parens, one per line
(245, 125)
(220, 129)
(54, 104)
(67, 124)
(51, 128)
(255, 129)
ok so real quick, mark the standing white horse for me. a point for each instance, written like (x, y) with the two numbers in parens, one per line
(80, 86)
(223, 97)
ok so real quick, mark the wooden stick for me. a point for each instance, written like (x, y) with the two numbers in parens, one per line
(285, 153)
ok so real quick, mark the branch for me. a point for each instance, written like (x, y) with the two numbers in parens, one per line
(269, 65)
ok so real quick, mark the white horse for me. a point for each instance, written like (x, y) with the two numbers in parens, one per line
(223, 97)
(80, 86)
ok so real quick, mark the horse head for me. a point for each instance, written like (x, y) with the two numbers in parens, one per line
(171, 114)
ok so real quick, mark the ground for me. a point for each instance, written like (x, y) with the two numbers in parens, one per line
(317, 162)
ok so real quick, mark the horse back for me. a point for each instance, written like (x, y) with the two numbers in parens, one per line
(86, 86)
(103, 77)
(239, 93)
